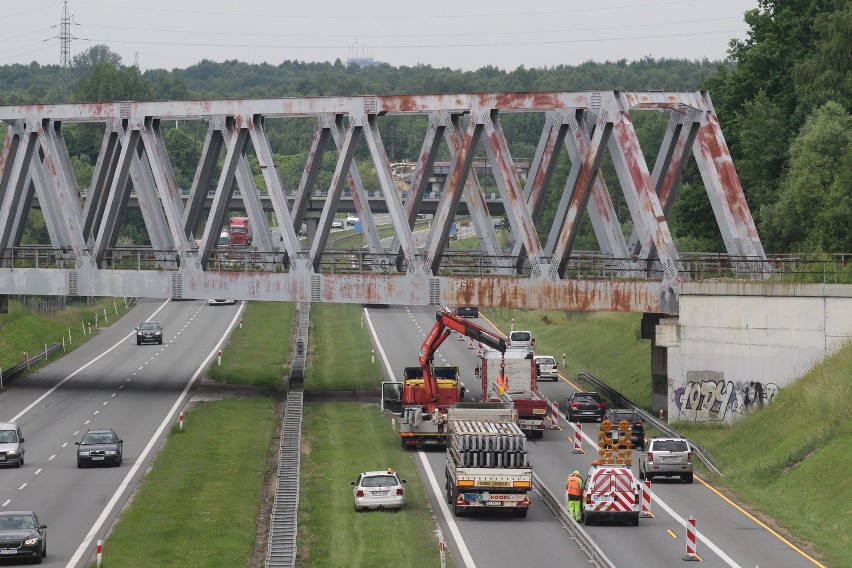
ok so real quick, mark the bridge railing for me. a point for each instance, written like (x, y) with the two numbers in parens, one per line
(822, 269)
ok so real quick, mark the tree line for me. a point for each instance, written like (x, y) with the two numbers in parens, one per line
(783, 97)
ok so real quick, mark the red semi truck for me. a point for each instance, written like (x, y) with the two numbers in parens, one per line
(241, 233)
(519, 387)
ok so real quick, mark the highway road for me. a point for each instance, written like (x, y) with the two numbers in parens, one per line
(108, 382)
(728, 536)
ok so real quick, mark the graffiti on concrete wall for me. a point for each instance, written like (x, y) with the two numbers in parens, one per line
(708, 397)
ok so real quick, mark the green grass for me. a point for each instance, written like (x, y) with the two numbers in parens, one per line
(789, 460)
(258, 353)
(604, 344)
(23, 330)
(340, 350)
(199, 504)
(331, 533)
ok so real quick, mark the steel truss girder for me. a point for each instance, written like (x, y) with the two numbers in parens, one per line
(587, 123)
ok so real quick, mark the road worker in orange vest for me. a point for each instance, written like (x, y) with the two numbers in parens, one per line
(574, 492)
(502, 382)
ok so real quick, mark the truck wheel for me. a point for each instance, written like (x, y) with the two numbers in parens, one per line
(587, 520)
(537, 435)
(521, 513)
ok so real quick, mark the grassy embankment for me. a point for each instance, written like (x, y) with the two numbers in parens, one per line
(789, 460)
(198, 506)
(23, 330)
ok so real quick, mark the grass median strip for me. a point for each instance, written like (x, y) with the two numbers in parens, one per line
(256, 353)
(340, 440)
(198, 505)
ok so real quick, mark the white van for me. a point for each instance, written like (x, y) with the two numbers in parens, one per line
(521, 339)
(611, 492)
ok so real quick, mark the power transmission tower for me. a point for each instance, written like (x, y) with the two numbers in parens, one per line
(65, 49)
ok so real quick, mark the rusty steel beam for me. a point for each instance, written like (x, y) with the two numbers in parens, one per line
(35, 163)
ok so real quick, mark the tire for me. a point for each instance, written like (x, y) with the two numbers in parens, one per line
(587, 520)
(641, 475)
(687, 477)
(521, 513)
(634, 521)
(20, 462)
(44, 550)
(138, 342)
(537, 435)
(160, 342)
(79, 464)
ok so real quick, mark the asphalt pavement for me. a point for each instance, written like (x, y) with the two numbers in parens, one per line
(110, 382)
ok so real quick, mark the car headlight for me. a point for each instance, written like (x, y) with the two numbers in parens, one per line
(83, 453)
(12, 452)
(158, 333)
(31, 541)
(111, 452)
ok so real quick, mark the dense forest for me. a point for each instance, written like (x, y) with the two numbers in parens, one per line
(783, 96)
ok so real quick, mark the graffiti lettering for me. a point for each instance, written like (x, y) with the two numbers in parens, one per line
(715, 399)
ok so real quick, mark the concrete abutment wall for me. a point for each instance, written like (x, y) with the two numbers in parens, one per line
(734, 345)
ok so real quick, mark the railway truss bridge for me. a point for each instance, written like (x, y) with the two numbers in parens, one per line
(400, 260)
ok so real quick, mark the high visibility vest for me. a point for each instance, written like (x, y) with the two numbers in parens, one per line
(502, 381)
(574, 485)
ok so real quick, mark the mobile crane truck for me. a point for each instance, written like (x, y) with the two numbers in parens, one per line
(487, 461)
(426, 392)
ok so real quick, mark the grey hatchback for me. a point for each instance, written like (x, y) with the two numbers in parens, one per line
(667, 457)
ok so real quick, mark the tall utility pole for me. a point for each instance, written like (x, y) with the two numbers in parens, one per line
(65, 49)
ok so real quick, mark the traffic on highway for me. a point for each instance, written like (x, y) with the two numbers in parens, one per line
(91, 423)
(115, 399)
(726, 535)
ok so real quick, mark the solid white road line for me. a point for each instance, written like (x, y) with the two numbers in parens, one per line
(439, 494)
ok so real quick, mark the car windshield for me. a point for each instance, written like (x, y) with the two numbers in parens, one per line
(378, 481)
(98, 438)
(629, 416)
(12, 522)
(671, 446)
(147, 326)
(8, 436)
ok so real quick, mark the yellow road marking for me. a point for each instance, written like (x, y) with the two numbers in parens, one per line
(671, 533)
(758, 521)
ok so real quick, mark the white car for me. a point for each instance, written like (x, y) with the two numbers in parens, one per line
(337, 224)
(378, 490)
(546, 367)
(351, 219)
(219, 302)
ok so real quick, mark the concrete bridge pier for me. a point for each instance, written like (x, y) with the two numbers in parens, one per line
(659, 363)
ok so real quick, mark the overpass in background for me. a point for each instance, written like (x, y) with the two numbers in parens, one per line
(640, 273)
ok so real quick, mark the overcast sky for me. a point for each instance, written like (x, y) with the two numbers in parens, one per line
(442, 33)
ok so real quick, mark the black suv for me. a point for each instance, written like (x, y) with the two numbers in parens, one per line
(149, 332)
(637, 426)
(584, 405)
